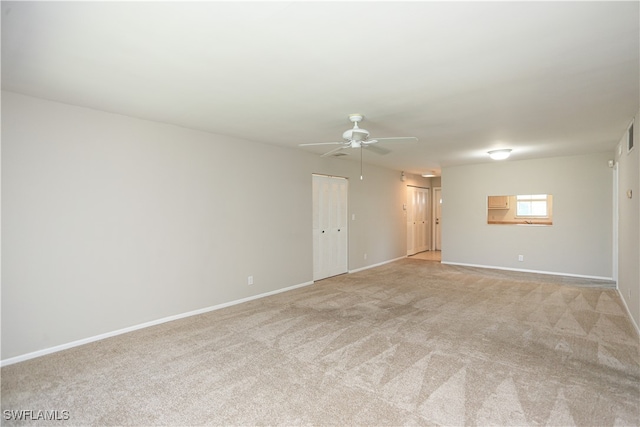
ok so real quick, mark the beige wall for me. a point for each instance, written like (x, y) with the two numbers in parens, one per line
(628, 165)
(109, 221)
(578, 243)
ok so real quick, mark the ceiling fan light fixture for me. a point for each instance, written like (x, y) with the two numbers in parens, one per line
(429, 174)
(358, 134)
(500, 154)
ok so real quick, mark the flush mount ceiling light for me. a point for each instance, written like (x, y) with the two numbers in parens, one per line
(500, 154)
(428, 174)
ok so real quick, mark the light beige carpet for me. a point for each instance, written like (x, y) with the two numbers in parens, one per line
(409, 343)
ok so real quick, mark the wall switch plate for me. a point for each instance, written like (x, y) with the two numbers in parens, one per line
(250, 280)
(520, 257)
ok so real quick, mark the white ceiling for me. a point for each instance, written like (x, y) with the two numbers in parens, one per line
(543, 78)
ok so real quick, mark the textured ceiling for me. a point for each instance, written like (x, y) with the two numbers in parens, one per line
(543, 78)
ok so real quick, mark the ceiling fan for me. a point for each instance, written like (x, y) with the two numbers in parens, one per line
(359, 138)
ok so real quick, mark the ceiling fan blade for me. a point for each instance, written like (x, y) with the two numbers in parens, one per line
(335, 150)
(320, 143)
(398, 138)
(377, 149)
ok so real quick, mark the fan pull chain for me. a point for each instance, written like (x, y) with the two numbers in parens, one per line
(360, 162)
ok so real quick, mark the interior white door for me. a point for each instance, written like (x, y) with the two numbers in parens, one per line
(437, 218)
(422, 219)
(417, 220)
(330, 234)
(410, 222)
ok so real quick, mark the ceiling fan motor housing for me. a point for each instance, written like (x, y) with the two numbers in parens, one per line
(356, 117)
(356, 134)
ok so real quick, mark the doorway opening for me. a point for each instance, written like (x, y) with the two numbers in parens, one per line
(434, 213)
(418, 230)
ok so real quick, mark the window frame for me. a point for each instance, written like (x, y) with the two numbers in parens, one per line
(531, 198)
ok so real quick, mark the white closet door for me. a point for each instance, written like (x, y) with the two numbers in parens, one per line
(330, 240)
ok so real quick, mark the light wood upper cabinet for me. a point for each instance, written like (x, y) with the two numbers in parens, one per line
(498, 202)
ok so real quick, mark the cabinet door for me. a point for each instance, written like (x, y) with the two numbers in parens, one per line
(498, 202)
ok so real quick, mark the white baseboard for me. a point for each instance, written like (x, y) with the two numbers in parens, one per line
(553, 273)
(376, 265)
(54, 349)
(624, 302)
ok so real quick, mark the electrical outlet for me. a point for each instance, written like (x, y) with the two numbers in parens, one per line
(365, 256)
(250, 280)
(520, 257)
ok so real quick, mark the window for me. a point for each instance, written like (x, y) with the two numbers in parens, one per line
(533, 206)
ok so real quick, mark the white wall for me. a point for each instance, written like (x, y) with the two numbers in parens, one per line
(109, 221)
(578, 243)
(628, 164)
